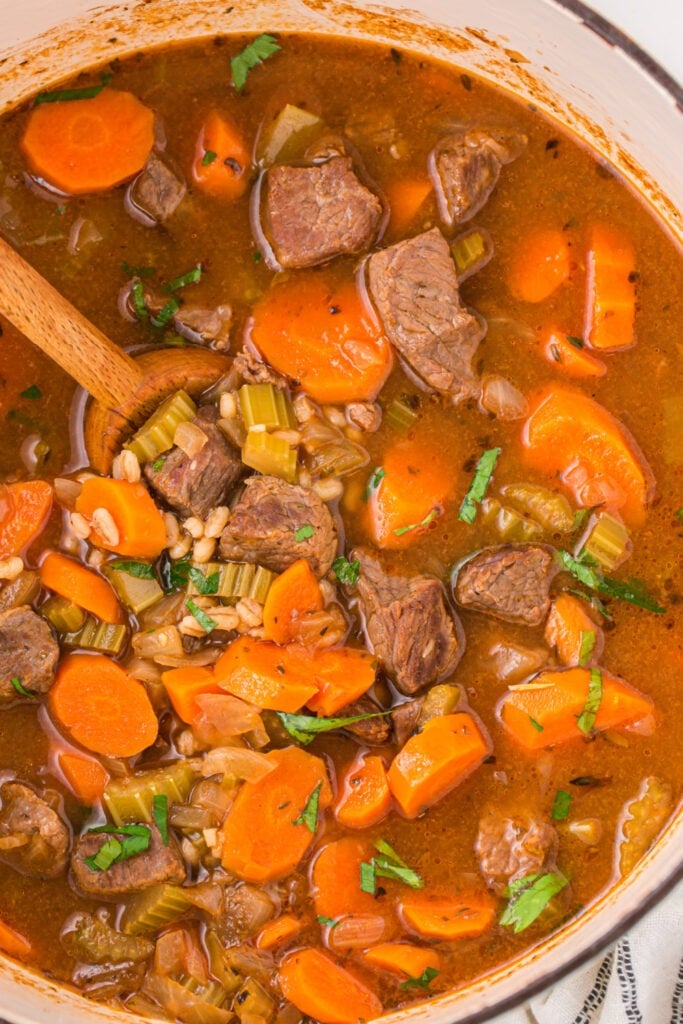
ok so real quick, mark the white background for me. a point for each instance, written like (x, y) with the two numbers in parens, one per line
(656, 25)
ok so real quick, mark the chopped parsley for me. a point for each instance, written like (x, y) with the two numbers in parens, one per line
(537, 725)
(158, 464)
(303, 533)
(587, 646)
(424, 981)
(141, 570)
(32, 392)
(166, 313)
(374, 481)
(203, 584)
(679, 514)
(327, 922)
(586, 719)
(137, 294)
(387, 864)
(136, 839)
(634, 592)
(309, 815)
(477, 489)
(528, 897)
(345, 571)
(205, 621)
(191, 277)
(131, 271)
(21, 690)
(179, 573)
(251, 56)
(429, 518)
(63, 95)
(561, 805)
(160, 815)
(576, 342)
(209, 157)
(305, 728)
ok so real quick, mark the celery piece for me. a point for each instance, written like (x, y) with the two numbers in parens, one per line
(136, 592)
(132, 798)
(212, 992)
(400, 416)
(252, 1000)
(63, 614)
(229, 978)
(440, 700)
(92, 940)
(265, 405)
(471, 252)
(233, 580)
(550, 509)
(269, 455)
(288, 136)
(607, 541)
(94, 635)
(156, 434)
(151, 909)
(508, 523)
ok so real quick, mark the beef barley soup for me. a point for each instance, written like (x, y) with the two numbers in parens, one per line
(358, 676)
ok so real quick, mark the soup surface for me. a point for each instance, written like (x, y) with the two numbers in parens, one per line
(356, 675)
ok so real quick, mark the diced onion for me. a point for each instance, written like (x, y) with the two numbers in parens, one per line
(588, 831)
(189, 438)
(242, 763)
(502, 399)
(222, 717)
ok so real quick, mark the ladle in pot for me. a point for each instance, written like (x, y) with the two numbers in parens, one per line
(125, 390)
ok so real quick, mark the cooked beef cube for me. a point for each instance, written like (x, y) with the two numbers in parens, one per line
(157, 192)
(30, 820)
(265, 522)
(511, 581)
(405, 718)
(193, 486)
(511, 848)
(205, 325)
(417, 640)
(28, 652)
(314, 213)
(465, 167)
(253, 370)
(156, 864)
(364, 415)
(415, 289)
(373, 731)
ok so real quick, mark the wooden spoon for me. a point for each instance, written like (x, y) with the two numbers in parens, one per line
(125, 390)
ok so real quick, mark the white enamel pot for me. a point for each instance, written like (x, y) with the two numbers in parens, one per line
(555, 54)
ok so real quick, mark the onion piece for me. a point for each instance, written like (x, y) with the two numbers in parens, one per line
(502, 399)
(240, 762)
(222, 717)
(189, 438)
(182, 1004)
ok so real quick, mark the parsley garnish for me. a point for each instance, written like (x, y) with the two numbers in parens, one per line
(328, 922)
(191, 277)
(345, 571)
(21, 690)
(587, 645)
(374, 480)
(137, 294)
(423, 981)
(477, 489)
(679, 514)
(131, 271)
(429, 518)
(561, 805)
(209, 157)
(32, 392)
(586, 719)
(576, 342)
(303, 533)
(63, 95)
(141, 570)
(387, 864)
(205, 621)
(160, 815)
(255, 53)
(537, 725)
(166, 313)
(633, 592)
(309, 815)
(178, 573)
(136, 840)
(203, 584)
(158, 464)
(528, 897)
(305, 728)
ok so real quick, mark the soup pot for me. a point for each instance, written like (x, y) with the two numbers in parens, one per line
(558, 56)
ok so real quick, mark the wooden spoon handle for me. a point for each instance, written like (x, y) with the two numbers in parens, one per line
(55, 326)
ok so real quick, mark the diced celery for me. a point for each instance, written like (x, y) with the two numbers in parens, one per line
(509, 524)
(550, 509)
(269, 455)
(471, 251)
(151, 909)
(400, 416)
(63, 614)
(92, 940)
(253, 1000)
(137, 593)
(212, 992)
(156, 434)
(337, 458)
(94, 635)
(288, 136)
(440, 700)
(234, 580)
(131, 799)
(607, 541)
(229, 978)
(266, 405)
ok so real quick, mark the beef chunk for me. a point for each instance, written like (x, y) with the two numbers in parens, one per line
(415, 289)
(28, 652)
(405, 718)
(157, 192)
(411, 630)
(511, 581)
(158, 863)
(373, 731)
(364, 415)
(42, 837)
(253, 370)
(465, 167)
(194, 486)
(205, 325)
(511, 848)
(265, 522)
(314, 213)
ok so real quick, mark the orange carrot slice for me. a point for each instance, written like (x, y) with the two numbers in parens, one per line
(24, 511)
(541, 263)
(293, 595)
(266, 674)
(450, 916)
(222, 159)
(342, 675)
(323, 990)
(403, 958)
(567, 625)
(406, 197)
(184, 685)
(335, 879)
(85, 776)
(365, 797)
(279, 931)
(610, 289)
(84, 587)
(569, 355)
(13, 942)
(140, 525)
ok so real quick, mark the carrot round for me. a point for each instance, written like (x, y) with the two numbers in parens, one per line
(610, 289)
(435, 760)
(84, 587)
(540, 264)
(140, 525)
(365, 797)
(566, 626)
(406, 197)
(101, 707)
(260, 837)
(341, 675)
(265, 674)
(403, 958)
(450, 916)
(571, 436)
(12, 942)
(549, 712)
(89, 145)
(279, 931)
(222, 160)
(335, 879)
(85, 776)
(184, 685)
(323, 990)
(571, 356)
(24, 510)
(317, 330)
(293, 595)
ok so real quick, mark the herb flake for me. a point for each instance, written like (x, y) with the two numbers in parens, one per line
(203, 584)
(424, 980)
(18, 686)
(140, 570)
(304, 532)
(88, 92)
(477, 489)
(345, 571)
(429, 518)
(561, 805)
(387, 864)
(32, 392)
(528, 897)
(633, 592)
(166, 313)
(251, 56)
(190, 277)
(587, 646)
(537, 725)
(309, 815)
(374, 480)
(160, 815)
(586, 719)
(205, 621)
(136, 839)
(209, 157)
(304, 728)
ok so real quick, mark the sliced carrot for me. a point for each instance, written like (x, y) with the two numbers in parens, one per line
(335, 879)
(541, 263)
(101, 707)
(403, 958)
(71, 580)
(461, 915)
(342, 675)
(140, 525)
(549, 712)
(261, 839)
(222, 159)
(293, 595)
(184, 685)
(89, 145)
(567, 625)
(24, 510)
(571, 356)
(12, 942)
(610, 289)
(365, 797)
(412, 486)
(435, 760)
(406, 197)
(265, 674)
(281, 930)
(323, 990)
(571, 436)
(317, 329)
(85, 776)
